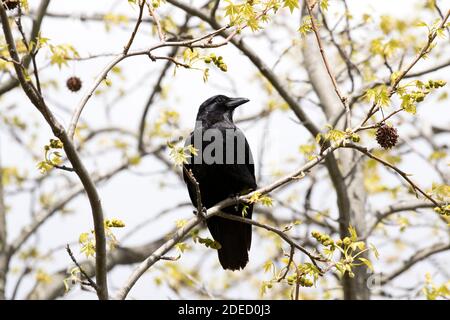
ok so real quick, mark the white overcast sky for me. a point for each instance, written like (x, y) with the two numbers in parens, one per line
(130, 197)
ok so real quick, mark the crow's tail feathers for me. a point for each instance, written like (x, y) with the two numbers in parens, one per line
(235, 239)
(233, 255)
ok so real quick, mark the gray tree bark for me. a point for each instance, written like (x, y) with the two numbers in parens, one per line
(119, 256)
(344, 168)
(3, 234)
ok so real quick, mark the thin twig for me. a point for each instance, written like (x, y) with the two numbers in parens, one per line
(169, 58)
(32, 51)
(182, 232)
(313, 257)
(26, 271)
(71, 153)
(191, 43)
(417, 257)
(65, 168)
(380, 122)
(170, 258)
(214, 9)
(10, 60)
(288, 266)
(157, 22)
(393, 209)
(196, 185)
(404, 175)
(85, 275)
(325, 59)
(402, 74)
(136, 27)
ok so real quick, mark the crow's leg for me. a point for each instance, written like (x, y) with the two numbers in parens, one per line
(236, 198)
(202, 213)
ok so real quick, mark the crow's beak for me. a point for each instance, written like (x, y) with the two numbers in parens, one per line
(236, 102)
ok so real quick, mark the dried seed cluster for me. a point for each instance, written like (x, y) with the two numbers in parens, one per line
(386, 136)
(74, 84)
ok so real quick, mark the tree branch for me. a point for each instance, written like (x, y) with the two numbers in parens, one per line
(325, 59)
(88, 278)
(157, 87)
(395, 208)
(404, 175)
(116, 257)
(350, 197)
(402, 74)
(157, 22)
(192, 43)
(72, 155)
(182, 232)
(417, 257)
(258, 63)
(35, 29)
(136, 27)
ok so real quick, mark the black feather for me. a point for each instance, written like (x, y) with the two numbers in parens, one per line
(219, 181)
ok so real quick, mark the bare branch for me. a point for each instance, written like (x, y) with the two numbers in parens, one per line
(85, 275)
(417, 257)
(157, 22)
(26, 271)
(96, 17)
(313, 257)
(192, 43)
(182, 232)
(196, 185)
(136, 27)
(404, 175)
(427, 71)
(325, 60)
(258, 63)
(402, 74)
(214, 9)
(72, 155)
(35, 29)
(392, 209)
(288, 266)
(116, 257)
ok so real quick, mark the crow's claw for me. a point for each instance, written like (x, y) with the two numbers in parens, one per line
(202, 213)
(236, 198)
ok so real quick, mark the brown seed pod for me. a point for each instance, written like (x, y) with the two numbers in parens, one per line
(387, 136)
(74, 84)
(10, 4)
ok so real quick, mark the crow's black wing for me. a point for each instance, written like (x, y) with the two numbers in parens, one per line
(243, 171)
(219, 181)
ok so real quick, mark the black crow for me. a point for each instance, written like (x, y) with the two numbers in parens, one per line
(223, 167)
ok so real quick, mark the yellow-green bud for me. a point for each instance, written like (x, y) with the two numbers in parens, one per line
(347, 241)
(355, 138)
(440, 83)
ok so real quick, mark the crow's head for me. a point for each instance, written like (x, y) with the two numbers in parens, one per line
(218, 108)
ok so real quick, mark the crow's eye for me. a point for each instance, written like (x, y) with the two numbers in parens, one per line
(220, 99)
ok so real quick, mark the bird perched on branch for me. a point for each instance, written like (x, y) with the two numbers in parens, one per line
(223, 167)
